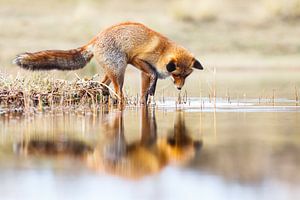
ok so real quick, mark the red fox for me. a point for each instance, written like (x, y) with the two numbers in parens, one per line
(114, 154)
(116, 47)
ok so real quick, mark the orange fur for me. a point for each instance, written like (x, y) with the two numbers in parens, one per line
(115, 47)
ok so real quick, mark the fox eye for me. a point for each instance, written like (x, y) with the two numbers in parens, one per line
(171, 66)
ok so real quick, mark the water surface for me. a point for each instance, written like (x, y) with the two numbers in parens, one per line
(179, 152)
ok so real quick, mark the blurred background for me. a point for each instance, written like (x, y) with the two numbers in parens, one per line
(253, 45)
(250, 51)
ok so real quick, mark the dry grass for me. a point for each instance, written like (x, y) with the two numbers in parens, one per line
(189, 10)
(236, 10)
(39, 93)
(283, 9)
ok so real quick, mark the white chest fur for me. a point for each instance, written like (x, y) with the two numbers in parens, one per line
(163, 74)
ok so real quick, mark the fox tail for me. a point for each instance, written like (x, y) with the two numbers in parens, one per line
(55, 59)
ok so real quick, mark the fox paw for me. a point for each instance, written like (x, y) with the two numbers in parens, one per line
(151, 101)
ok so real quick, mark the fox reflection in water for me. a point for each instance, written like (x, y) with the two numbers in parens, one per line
(116, 156)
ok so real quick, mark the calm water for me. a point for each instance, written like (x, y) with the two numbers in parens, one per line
(163, 153)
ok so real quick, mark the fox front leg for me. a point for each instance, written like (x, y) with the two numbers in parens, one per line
(152, 88)
(148, 87)
(153, 81)
(145, 88)
(149, 78)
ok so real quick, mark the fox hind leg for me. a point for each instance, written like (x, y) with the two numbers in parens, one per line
(115, 74)
(106, 81)
(114, 63)
(118, 86)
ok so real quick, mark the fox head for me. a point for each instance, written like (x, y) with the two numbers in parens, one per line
(181, 65)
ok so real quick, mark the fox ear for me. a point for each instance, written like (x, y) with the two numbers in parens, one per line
(171, 66)
(197, 65)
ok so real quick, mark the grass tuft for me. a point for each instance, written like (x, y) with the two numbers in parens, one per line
(41, 92)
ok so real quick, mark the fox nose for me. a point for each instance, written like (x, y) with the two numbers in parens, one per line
(179, 88)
